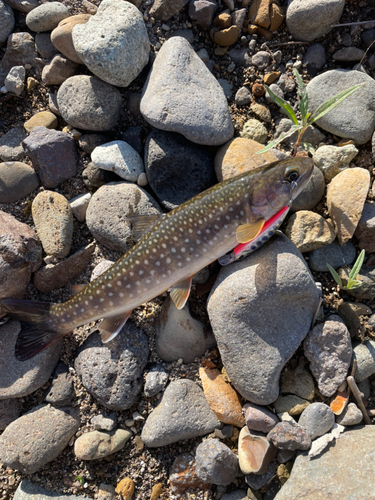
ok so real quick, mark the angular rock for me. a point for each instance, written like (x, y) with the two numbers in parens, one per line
(317, 419)
(245, 293)
(258, 418)
(58, 70)
(113, 44)
(61, 36)
(329, 349)
(79, 206)
(364, 354)
(9, 411)
(216, 463)
(254, 452)
(201, 12)
(183, 413)
(44, 46)
(206, 120)
(96, 445)
(22, 5)
(351, 415)
(15, 80)
(298, 382)
(332, 160)
(365, 231)
(104, 423)
(243, 96)
(183, 475)
(62, 390)
(165, 9)
(6, 21)
(11, 144)
(17, 180)
(46, 17)
(334, 255)
(120, 158)
(227, 37)
(20, 50)
(156, 380)
(315, 58)
(288, 437)
(309, 231)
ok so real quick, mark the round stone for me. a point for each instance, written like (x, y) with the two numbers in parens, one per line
(61, 36)
(118, 157)
(17, 180)
(47, 16)
(317, 419)
(216, 463)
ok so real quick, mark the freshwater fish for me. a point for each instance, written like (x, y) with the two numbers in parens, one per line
(173, 248)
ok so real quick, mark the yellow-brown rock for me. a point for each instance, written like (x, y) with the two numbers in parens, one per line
(277, 16)
(42, 119)
(238, 156)
(265, 33)
(271, 77)
(222, 21)
(221, 397)
(252, 29)
(61, 37)
(125, 488)
(259, 13)
(227, 37)
(156, 491)
(309, 231)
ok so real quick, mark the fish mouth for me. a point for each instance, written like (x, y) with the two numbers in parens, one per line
(299, 186)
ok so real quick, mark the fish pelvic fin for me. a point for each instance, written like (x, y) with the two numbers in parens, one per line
(38, 330)
(247, 232)
(112, 325)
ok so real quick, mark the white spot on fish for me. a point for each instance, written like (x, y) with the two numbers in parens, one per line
(110, 294)
(140, 272)
(118, 283)
(121, 295)
(168, 260)
(157, 263)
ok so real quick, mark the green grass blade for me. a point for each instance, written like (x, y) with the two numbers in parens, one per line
(308, 147)
(277, 141)
(303, 101)
(335, 276)
(352, 284)
(285, 105)
(333, 102)
(357, 266)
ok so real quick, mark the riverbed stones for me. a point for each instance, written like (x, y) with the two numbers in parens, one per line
(259, 418)
(351, 415)
(27, 490)
(15, 80)
(156, 380)
(275, 278)
(17, 180)
(85, 102)
(364, 354)
(353, 118)
(114, 43)
(95, 445)
(365, 232)
(216, 463)
(185, 79)
(10, 410)
(334, 254)
(112, 372)
(23, 5)
(309, 231)
(42, 119)
(118, 157)
(183, 413)
(6, 21)
(317, 419)
(165, 9)
(61, 391)
(38, 437)
(20, 51)
(255, 452)
(11, 144)
(332, 159)
(58, 70)
(289, 437)
(47, 16)
(298, 382)
(61, 36)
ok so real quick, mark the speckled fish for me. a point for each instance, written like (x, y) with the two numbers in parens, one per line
(173, 248)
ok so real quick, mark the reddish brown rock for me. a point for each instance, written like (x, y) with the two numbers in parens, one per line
(226, 37)
(289, 437)
(254, 452)
(259, 13)
(61, 37)
(258, 418)
(183, 476)
(258, 90)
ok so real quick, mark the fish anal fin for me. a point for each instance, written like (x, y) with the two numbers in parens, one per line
(78, 288)
(180, 292)
(111, 326)
(247, 232)
(143, 223)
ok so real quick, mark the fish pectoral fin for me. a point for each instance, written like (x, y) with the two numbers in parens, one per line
(111, 326)
(143, 223)
(247, 232)
(78, 288)
(180, 292)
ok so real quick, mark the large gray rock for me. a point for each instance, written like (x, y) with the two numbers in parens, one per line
(20, 50)
(27, 490)
(334, 254)
(216, 463)
(353, 118)
(47, 16)
(17, 180)
(9, 411)
(260, 310)
(183, 413)
(6, 21)
(327, 475)
(113, 44)
(181, 95)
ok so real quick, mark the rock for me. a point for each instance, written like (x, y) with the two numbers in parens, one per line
(22, 5)
(6, 21)
(44, 46)
(227, 37)
(206, 120)
(365, 232)
(332, 160)
(52, 104)
(104, 423)
(54, 276)
(286, 83)
(351, 319)
(328, 348)
(293, 405)
(89, 103)
(42, 119)
(50, 429)
(261, 112)
(235, 495)
(261, 60)
(216, 463)
(172, 187)
(333, 254)
(101, 268)
(367, 289)
(27, 490)
(254, 130)
(348, 54)
(288, 437)
(317, 419)
(277, 15)
(94, 178)
(62, 390)
(258, 418)
(112, 372)
(58, 70)
(309, 19)
(243, 96)
(259, 13)
(351, 415)
(364, 354)
(183, 475)
(222, 399)
(312, 194)
(201, 12)
(125, 488)
(298, 382)
(88, 142)
(240, 56)
(79, 205)
(238, 17)
(156, 380)
(20, 51)
(254, 452)
(20, 255)
(312, 135)
(238, 156)
(327, 476)
(346, 195)
(257, 481)
(276, 90)
(17, 180)
(343, 121)
(107, 213)
(61, 36)
(95, 445)
(165, 9)
(183, 413)
(271, 77)
(11, 144)
(238, 324)
(120, 158)
(46, 17)
(106, 491)
(53, 220)
(15, 80)
(179, 335)
(135, 137)
(9, 411)
(113, 44)
(309, 231)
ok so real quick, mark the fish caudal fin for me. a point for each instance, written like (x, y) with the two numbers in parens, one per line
(38, 330)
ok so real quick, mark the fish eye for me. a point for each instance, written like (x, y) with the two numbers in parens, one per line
(291, 174)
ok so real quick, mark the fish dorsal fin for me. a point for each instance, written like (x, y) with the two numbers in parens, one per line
(78, 288)
(111, 326)
(180, 292)
(247, 232)
(143, 223)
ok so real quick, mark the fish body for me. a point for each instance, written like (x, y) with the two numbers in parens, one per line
(166, 257)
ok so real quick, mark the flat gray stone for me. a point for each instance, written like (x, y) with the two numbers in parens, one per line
(183, 413)
(118, 157)
(9, 411)
(216, 463)
(113, 44)
(353, 118)
(192, 102)
(11, 144)
(334, 254)
(61, 391)
(364, 354)
(6, 21)
(27, 491)
(17, 180)
(47, 16)
(317, 419)
(315, 58)
(44, 45)
(261, 308)
(58, 70)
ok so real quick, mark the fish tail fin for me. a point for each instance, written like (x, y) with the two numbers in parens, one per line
(38, 331)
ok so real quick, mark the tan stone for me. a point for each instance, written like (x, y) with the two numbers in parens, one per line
(238, 156)
(254, 452)
(61, 37)
(271, 77)
(309, 231)
(259, 13)
(277, 16)
(265, 33)
(223, 21)
(252, 29)
(221, 397)
(125, 488)
(156, 491)
(346, 196)
(42, 119)
(294, 405)
(261, 112)
(227, 37)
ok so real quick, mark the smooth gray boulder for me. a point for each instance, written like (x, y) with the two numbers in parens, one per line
(27, 490)
(6, 21)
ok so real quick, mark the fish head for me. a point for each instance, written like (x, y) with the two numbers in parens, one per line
(279, 184)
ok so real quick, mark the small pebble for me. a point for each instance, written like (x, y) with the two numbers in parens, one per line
(287, 437)
(352, 415)
(317, 419)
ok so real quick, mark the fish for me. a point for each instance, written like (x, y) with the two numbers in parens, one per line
(171, 249)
